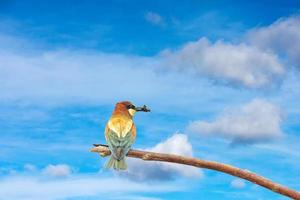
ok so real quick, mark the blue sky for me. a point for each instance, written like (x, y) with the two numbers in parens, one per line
(221, 79)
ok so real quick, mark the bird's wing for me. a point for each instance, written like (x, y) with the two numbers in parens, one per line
(119, 145)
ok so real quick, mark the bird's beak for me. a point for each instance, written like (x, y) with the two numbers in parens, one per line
(142, 109)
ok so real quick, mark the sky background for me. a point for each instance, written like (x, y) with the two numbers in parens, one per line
(221, 79)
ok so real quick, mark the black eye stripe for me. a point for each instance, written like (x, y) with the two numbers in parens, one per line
(130, 107)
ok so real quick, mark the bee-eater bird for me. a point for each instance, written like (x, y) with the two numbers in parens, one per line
(120, 133)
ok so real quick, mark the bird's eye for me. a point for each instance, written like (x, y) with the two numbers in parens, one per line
(130, 107)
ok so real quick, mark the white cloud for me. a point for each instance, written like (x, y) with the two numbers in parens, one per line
(77, 76)
(235, 63)
(61, 170)
(256, 121)
(257, 61)
(32, 75)
(281, 37)
(148, 170)
(51, 78)
(154, 18)
(63, 77)
(238, 183)
(35, 188)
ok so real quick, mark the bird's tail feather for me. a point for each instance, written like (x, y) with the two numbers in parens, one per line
(116, 164)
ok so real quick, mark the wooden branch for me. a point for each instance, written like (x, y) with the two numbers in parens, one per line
(228, 169)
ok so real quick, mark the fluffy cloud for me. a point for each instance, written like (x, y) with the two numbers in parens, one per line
(281, 37)
(177, 144)
(238, 183)
(76, 76)
(85, 76)
(236, 63)
(60, 170)
(35, 188)
(154, 18)
(257, 121)
(258, 61)
(62, 76)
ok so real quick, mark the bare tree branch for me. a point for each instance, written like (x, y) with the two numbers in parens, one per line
(228, 169)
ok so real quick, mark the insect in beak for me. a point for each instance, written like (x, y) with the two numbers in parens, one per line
(142, 109)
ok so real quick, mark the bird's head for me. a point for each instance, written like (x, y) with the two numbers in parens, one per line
(127, 106)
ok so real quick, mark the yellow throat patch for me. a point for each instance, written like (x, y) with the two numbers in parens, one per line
(131, 112)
